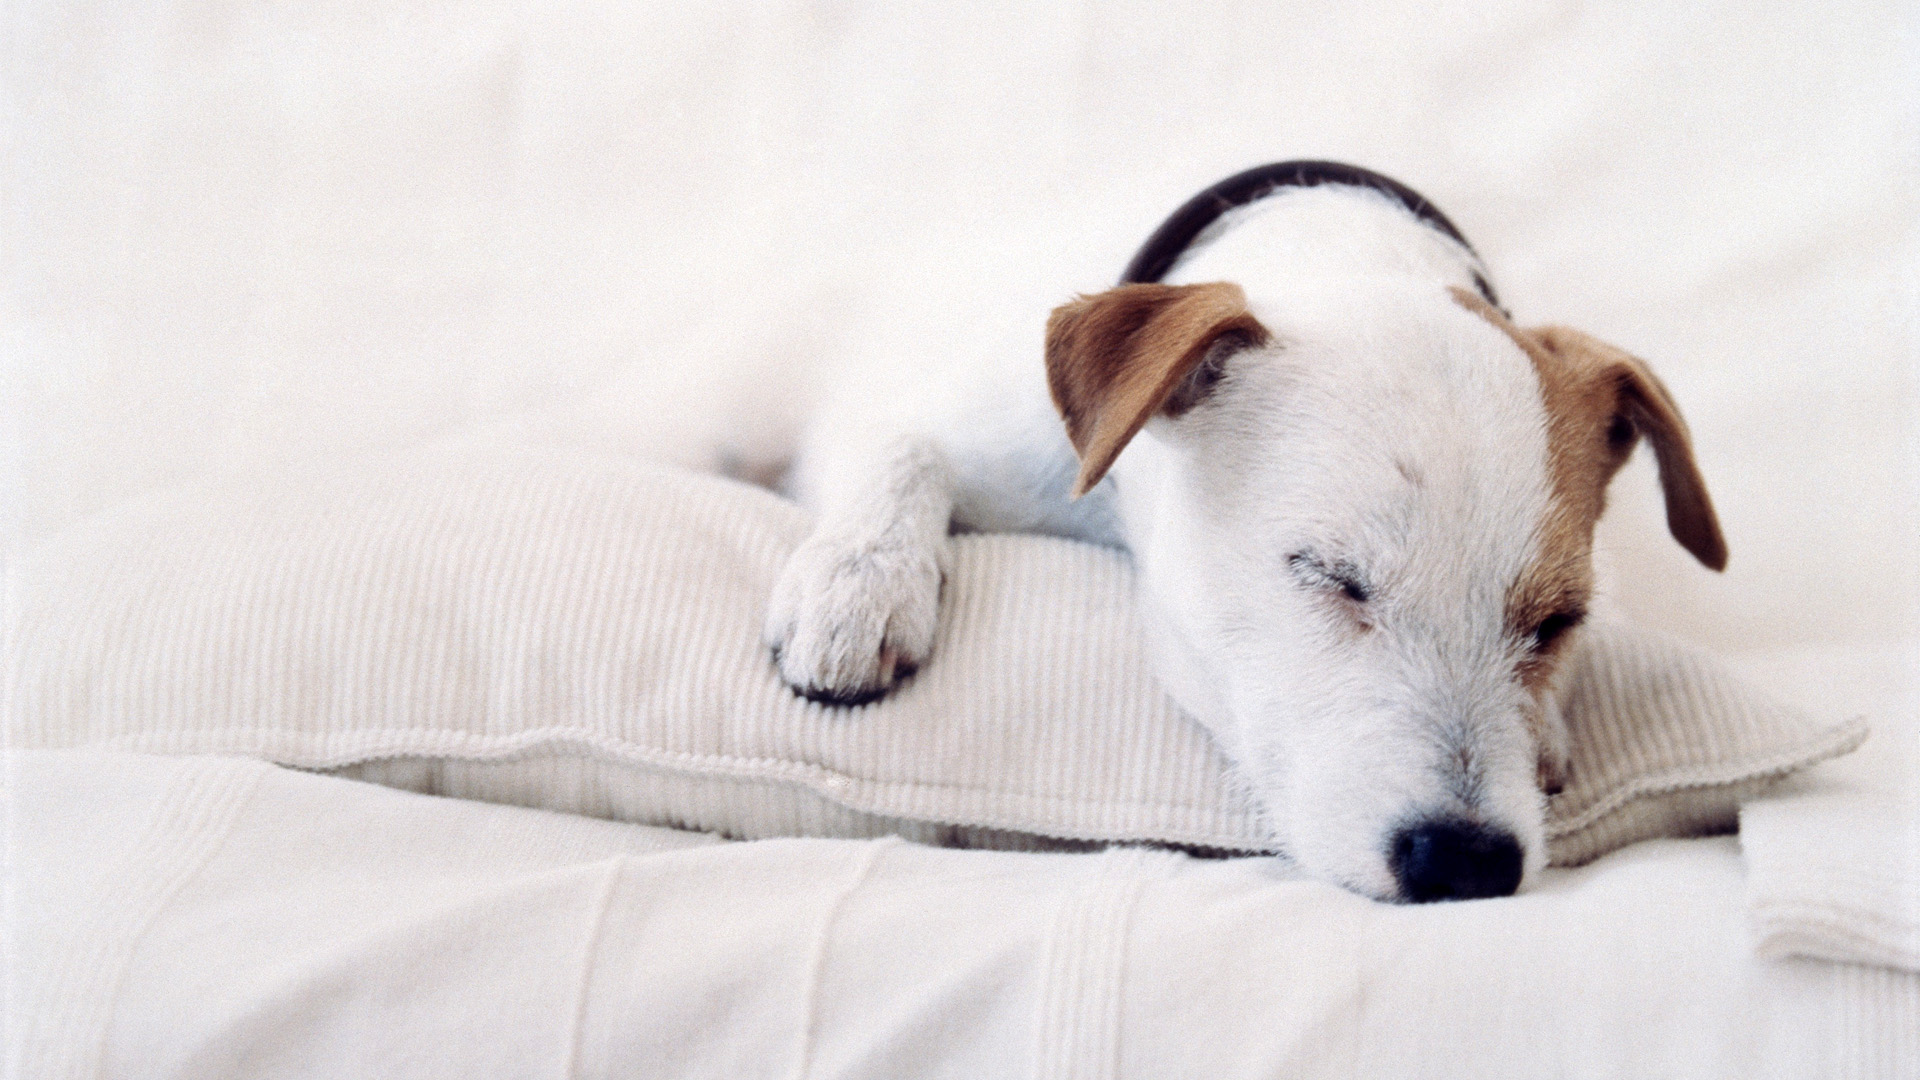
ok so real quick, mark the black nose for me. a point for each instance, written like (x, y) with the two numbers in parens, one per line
(1451, 859)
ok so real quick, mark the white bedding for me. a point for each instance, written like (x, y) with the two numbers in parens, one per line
(240, 920)
(238, 239)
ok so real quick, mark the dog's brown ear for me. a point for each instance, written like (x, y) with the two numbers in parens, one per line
(1116, 358)
(1642, 406)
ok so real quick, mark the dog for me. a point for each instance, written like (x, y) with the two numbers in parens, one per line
(1360, 501)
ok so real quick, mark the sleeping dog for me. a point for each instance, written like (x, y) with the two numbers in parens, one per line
(1360, 501)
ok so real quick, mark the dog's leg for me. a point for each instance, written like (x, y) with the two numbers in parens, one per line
(855, 608)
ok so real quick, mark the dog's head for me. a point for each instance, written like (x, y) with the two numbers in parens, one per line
(1363, 517)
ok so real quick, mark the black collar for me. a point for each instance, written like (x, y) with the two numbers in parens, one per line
(1170, 240)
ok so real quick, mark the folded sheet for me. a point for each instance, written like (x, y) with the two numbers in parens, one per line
(1834, 861)
(1835, 875)
(211, 917)
(1833, 858)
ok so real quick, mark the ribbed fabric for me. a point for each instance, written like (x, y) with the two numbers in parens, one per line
(582, 633)
(1879, 1035)
(1077, 1020)
(1668, 743)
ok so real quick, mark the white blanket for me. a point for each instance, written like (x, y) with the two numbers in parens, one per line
(208, 918)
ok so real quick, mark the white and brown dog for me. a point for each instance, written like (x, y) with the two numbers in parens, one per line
(1360, 500)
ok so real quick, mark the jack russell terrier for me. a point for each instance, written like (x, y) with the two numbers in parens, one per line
(1359, 499)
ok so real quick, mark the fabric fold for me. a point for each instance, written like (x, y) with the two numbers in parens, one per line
(1835, 875)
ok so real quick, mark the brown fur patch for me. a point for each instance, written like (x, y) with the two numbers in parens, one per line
(1585, 381)
(1581, 459)
(1599, 400)
(1646, 404)
(1590, 387)
(1116, 358)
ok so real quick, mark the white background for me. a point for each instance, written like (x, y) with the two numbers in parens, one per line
(247, 236)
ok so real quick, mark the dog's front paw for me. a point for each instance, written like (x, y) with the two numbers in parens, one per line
(850, 619)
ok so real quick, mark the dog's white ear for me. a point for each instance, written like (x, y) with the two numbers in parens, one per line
(1116, 358)
(1643, 406)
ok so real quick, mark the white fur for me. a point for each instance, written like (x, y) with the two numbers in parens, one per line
(1384, 427)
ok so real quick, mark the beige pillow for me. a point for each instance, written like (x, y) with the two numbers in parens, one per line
(580, 633)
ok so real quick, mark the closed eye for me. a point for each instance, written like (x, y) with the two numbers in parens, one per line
(1554, 627)
(1339, 577)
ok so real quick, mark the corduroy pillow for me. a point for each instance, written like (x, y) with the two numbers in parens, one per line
(581, 633)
